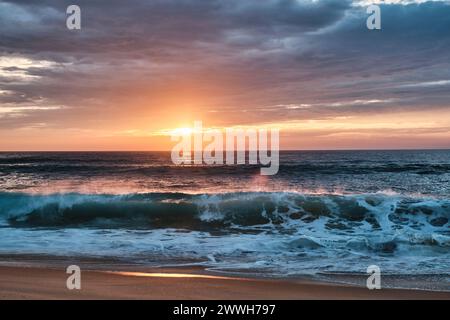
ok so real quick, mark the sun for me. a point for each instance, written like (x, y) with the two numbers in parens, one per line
(181, 132)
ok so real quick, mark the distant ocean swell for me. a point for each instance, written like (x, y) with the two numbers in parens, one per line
(39, 166)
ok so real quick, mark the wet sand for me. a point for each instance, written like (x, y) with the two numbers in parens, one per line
(18, 282)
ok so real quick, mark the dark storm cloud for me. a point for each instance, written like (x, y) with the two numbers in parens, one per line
(118, 25)
(261, 54)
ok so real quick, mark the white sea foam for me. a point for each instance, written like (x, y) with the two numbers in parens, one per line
(280, 233)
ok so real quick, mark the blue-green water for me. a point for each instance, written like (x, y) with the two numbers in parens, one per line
(325, 211)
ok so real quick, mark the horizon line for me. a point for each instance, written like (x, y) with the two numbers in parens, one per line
(281, 150)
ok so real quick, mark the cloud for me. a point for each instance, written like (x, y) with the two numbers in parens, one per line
(426, 84)
(275, 59)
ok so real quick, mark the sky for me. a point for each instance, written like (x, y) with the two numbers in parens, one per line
(140, 68)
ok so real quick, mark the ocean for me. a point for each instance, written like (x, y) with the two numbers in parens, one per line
(324, 212)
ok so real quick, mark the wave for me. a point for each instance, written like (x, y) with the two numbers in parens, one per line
(358, 168)
(281, 233)
(36, 165)
(227, 212)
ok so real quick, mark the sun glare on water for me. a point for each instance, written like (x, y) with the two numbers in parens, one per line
(171, 275)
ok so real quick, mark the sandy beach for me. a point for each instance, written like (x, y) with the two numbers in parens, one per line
(180, 283)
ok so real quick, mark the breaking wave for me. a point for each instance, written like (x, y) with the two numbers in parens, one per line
(280, 232)
(228, 212)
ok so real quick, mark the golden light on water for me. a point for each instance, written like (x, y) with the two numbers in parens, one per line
(172, 275)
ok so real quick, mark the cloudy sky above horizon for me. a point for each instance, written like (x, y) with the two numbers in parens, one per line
(141, 67)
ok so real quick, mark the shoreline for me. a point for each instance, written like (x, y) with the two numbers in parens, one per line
(23, 282)
(418, 282)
